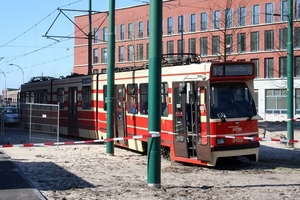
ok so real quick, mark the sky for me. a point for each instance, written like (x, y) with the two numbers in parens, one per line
(23, 26)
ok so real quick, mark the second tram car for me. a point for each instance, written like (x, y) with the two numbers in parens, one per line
(201, 103)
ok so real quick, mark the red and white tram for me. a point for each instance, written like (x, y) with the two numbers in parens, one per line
(201, 103)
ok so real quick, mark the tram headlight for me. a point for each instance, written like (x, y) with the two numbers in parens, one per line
(220, 140)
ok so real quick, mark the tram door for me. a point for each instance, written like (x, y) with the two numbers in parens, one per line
(120, 117)
(202, 104)
(179, 116)
(72, 112)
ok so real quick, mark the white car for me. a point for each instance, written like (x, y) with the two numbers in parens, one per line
(10, 116)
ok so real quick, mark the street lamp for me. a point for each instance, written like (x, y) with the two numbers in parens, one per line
(4, 85)
(19, 68)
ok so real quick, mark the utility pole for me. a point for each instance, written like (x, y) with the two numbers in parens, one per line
(90, 38)
(154, 97)
(110, 79)
(290, 76)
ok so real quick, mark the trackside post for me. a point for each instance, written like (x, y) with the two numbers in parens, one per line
(110, 78)
(154, 98)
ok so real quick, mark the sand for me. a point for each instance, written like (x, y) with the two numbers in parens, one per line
(86, 172)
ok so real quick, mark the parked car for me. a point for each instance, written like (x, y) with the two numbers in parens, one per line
(10, 116)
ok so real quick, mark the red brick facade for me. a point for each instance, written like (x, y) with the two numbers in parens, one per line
(203, 28)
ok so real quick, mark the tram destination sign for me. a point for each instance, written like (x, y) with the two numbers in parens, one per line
(233, 70)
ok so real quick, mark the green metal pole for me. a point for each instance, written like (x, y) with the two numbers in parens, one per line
(154, 97)
(90, 38)
(110, 78)
(290, 76)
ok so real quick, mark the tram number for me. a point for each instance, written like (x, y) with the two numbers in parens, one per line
(237, 140)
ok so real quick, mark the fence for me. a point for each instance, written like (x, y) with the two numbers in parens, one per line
(42, 120)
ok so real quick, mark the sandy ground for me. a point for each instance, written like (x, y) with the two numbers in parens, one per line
(86, 172)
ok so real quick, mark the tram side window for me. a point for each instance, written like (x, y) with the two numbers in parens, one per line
(31, 100)
(104, 97)
(164, 99)
(60, 97)
(37, 96)
(144, 98)
(86, 97)
(44, 95)
(132, 98)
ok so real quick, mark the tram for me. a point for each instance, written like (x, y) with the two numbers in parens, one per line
(201, 103)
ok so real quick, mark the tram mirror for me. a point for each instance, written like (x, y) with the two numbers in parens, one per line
(182, 88)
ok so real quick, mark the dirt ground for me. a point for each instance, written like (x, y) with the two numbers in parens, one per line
(86, 172)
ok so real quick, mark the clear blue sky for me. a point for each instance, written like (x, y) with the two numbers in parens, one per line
(22, 26)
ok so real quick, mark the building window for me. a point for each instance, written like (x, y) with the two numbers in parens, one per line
(269, 40)
(241, 42)
(170, 25)
(283, 11)
(162, 28)
(147, 49)
(60, 97)
(122, 32)
(282, 67)
(297, 66)
(255, 14)
(121, 54)
(95, 71)
(130, 31)
(297, 9)
(242, 16)
(86, 97)
(256, 62)
(276, 101)
(269, 68)
(104, 55)
(283, 38)
(95, 58)
(269, 13)
(192, 27)
(192, 45)
(297, 37)
(180, 46)
(254, 41)
(96, 35)
(203, 21)
(180, 24)
(215, 45)
(130, 53)
(228, 18)
(203, 46)
(170, 47)
(141, 30)
(216, 19)
(148, 28)
(228, 40)
(104, 34)
(140, 52)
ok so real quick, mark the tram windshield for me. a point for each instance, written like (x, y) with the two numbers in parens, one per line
(231, 100)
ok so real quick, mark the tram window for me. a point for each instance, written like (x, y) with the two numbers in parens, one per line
(164, 99)
(104, 97)
(86, 97)
(60, 97)
(44, 95)
(31, 97)
(144, 98)
(132, 98)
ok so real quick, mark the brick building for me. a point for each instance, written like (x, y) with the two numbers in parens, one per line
(217, 29)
